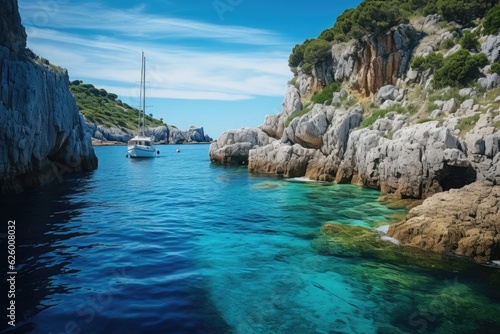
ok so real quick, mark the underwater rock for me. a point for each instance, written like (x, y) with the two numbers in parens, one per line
(463, 222)
(360, 242)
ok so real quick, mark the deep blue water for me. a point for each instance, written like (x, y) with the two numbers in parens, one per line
(179, 245)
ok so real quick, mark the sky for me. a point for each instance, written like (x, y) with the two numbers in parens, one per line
(219, 64)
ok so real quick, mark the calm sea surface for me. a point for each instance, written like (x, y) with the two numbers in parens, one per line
(179, 245)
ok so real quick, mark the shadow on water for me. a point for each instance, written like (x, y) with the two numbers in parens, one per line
(40, 217)
(66, 277)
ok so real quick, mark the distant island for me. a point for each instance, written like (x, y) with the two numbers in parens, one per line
(109, 120)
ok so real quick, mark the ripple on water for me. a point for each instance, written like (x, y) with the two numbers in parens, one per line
(178, 245)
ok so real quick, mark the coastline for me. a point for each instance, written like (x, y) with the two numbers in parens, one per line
(98, 142)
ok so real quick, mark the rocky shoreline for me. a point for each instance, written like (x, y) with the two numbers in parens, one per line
(161, 135)
(418, 154)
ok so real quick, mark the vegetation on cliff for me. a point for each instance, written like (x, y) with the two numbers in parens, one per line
(375, 16)
(464, 23)
(104, 108)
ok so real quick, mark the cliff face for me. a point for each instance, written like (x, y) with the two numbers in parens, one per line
(367, 64)
(12, 33)
(42, 134)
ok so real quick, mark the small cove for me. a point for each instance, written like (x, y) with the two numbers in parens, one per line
(178, 245)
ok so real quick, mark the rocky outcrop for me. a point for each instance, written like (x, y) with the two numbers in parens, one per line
(161, 134)
(274, 125)
(233, 146)
(42, 134)
(418, 161)
(483, 149)
(312, 145)
(172, 135)
(464, 222)
(281, 159)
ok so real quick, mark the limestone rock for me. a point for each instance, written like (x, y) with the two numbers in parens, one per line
(483, 149)
(308, 130)
(274, 125)
(280, 159)
(450, 106)
(415, 163)
(388, 92)
(233, 146)
(491, 47)
(464, 222)
(490, 81)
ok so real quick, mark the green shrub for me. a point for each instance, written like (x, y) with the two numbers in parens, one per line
(469, 41)
(491, 23)
(495, 68)
(297, 55)
(463, 11)
(113, 97)
(316, 51)
(433, 60)
(459, 69)
(447, 44)
(307, 68)
(327, 35)
(94, 91)
(326, 93)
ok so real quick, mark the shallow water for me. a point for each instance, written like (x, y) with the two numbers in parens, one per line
(178, 245)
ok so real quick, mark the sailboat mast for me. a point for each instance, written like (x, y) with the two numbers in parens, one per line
(144, 93)
(139, 127)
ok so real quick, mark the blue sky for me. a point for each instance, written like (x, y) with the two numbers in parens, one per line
(220, 64)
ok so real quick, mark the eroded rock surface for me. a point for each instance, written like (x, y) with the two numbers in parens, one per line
(464, 222)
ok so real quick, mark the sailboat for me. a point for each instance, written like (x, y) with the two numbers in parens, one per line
(142, 146)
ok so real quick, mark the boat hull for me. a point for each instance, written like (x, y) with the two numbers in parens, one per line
(141, 152)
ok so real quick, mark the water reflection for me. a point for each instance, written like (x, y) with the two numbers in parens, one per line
(42, 228)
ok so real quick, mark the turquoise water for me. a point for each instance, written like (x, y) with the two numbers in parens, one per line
(179, 245)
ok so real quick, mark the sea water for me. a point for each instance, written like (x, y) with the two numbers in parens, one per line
(176, 244)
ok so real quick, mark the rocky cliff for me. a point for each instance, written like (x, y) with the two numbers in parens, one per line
(42, 134)
(387, 128)
(367, 64)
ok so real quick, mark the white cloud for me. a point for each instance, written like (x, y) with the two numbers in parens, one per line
(73, 36)
(134, 22)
